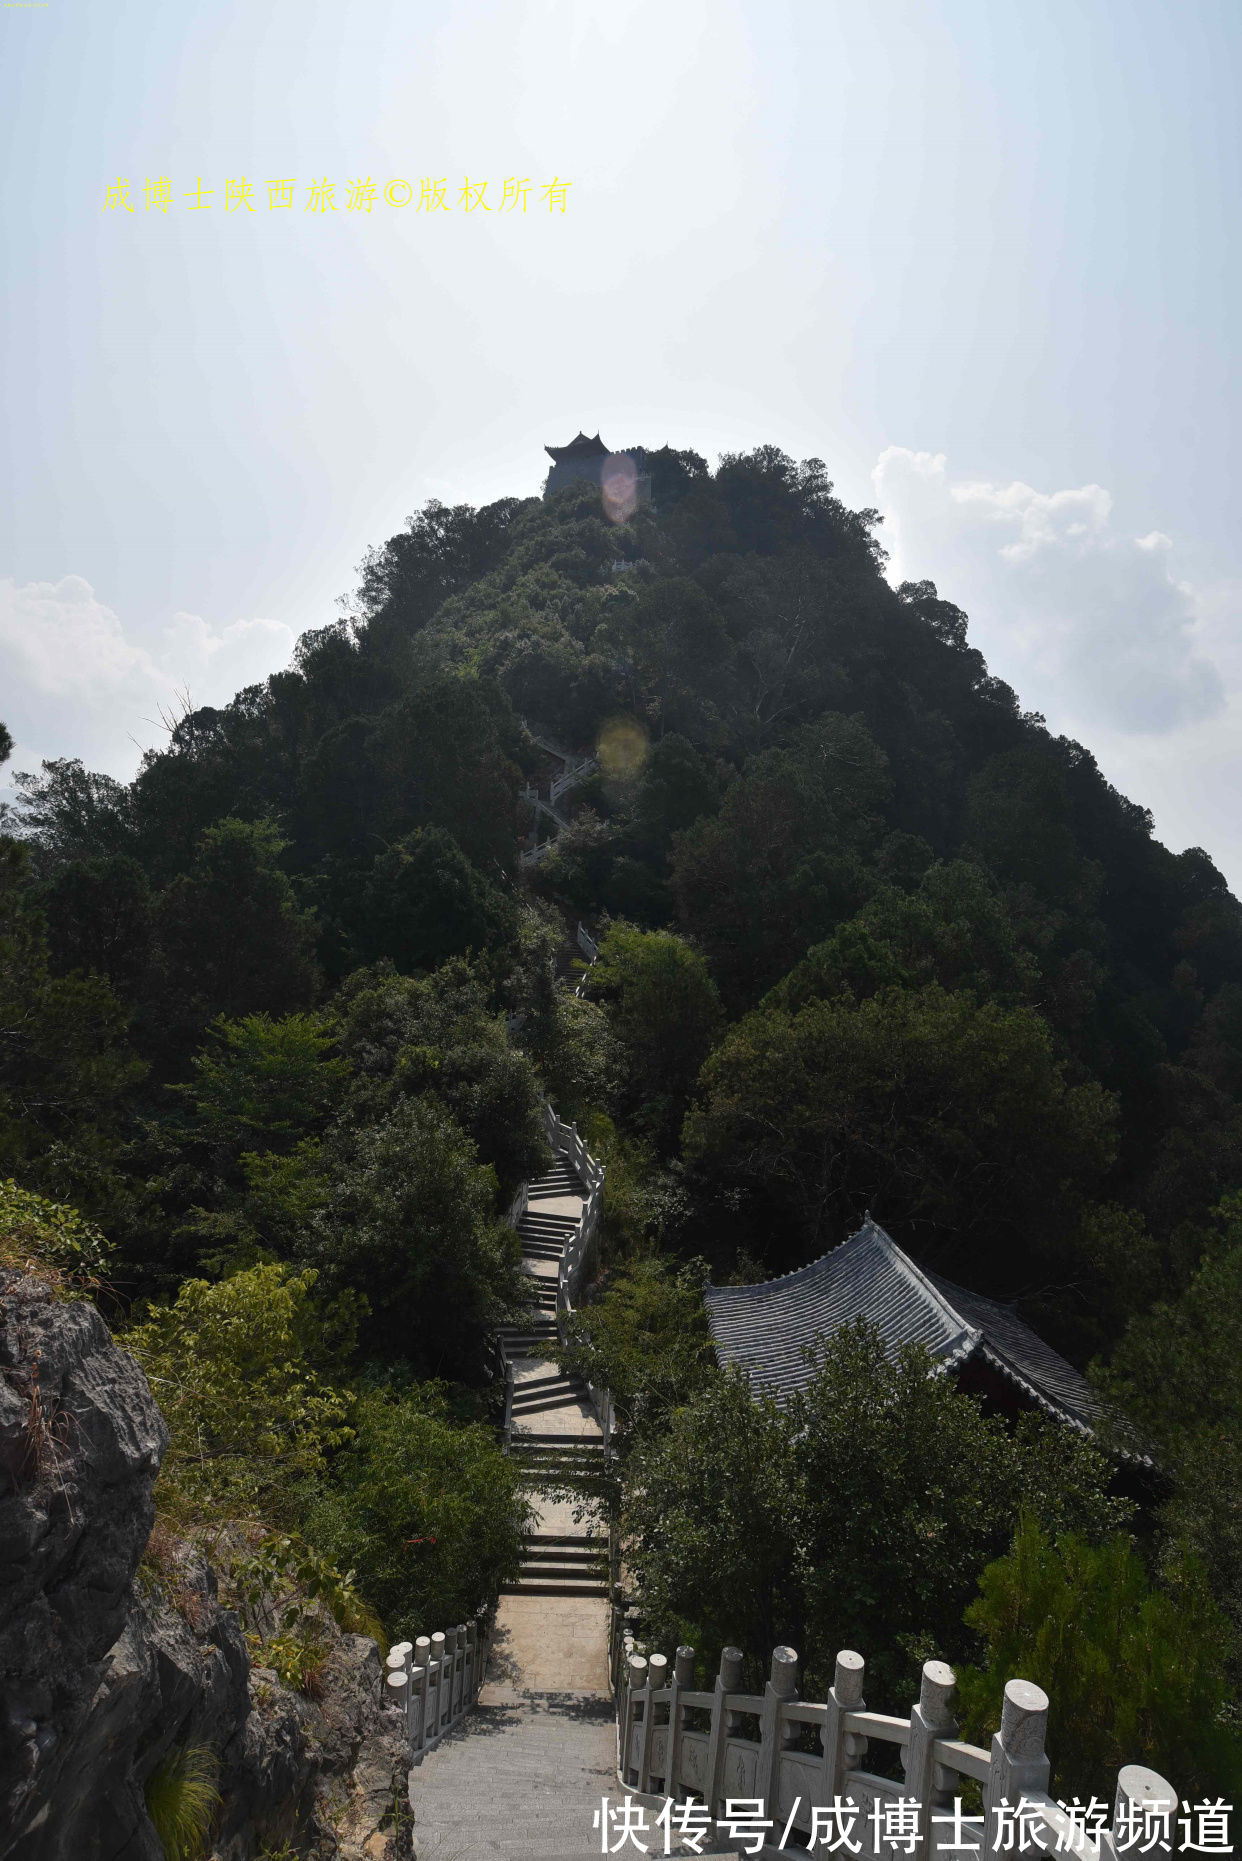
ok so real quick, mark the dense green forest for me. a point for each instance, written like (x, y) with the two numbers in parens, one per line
(277, 1018)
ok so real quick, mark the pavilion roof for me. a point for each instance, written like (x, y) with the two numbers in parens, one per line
(579, 448)
(765, 1329)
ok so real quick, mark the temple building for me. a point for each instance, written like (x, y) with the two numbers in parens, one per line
(764, 1329)
(621, 476)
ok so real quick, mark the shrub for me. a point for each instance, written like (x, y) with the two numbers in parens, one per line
(1133, 1673)
(182, 1797)
(230, 1366)
(50, 1240)
(429, 1513)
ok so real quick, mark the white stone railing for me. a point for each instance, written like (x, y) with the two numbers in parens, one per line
(566, 1142)
(589, 949)
(517, 1208)
(659, 1753)
(573, 775)
(531, 794)
(433, 1681)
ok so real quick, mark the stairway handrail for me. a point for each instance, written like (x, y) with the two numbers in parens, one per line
(658, 1752)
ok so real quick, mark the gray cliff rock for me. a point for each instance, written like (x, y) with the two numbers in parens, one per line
(102, 1677)
(80, 1445)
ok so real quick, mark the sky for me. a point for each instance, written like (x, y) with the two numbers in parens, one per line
(979, 256)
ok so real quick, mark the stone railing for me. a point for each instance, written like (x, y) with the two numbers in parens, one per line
(433, 1681)
(675, 1740)
(589, 949)
(566, 1142)
(573, 775)
(570, 777)
(531, 794)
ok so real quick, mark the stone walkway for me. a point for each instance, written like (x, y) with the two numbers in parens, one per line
(522, 1776)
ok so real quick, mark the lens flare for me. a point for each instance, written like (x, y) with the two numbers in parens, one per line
(619, 483)
(622, 748)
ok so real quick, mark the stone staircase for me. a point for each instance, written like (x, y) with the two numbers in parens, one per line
(520, 1781)
(562, 1564)
(521, 1777)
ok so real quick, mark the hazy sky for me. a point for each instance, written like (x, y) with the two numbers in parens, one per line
(981, 258)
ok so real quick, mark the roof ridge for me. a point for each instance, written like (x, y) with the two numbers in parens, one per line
(921, 1280)
(794, 1272)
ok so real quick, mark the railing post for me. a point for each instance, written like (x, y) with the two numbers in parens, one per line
(683, 1677)
(635, 1680)
(728, 1680)
(397, 1693)
(1144, 1799)
(422, 1655)
(657, 1676)
(843, 1751)
(1018, 1765)
(437, 1655)
(459, 1677)
(774, 1735)
(930, 1719)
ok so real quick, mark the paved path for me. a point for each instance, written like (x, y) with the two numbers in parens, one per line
(522, 1776)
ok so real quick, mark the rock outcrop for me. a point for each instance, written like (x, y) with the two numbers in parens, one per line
(80, 1445)
(106, 1669)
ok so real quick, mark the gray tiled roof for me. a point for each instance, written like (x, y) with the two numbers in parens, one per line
(764, 1329)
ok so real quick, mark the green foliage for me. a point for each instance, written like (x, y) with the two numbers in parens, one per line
(1000, 1012)
(428, 1512)
(953, 929)
(284, 1567)
(408, 1037)
(231, 1367)
(665, 1013)
(409, 1222)
(646, 1341)
(580, 1059)
(857, 1516)
(1176, 1380)
(1133, 1673)
(50, 1239)
(233, 939)
(296, 1655)
(779, 865)
(182, 1797)
(927, 1108)
(100, 917)
(265, 1081)
(677, 789)
(64, 1060)
(424, 902)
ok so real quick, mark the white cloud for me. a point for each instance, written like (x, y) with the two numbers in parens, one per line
(1077, 615)
(73, 682)
(1091, 626)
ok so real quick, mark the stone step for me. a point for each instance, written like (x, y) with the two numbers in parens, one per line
(560, 1586)
(585, 1563)
(547, 1401)
(567, 1538)
(556, 1181)
(533, 1437)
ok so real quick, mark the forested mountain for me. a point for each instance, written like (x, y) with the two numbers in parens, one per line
(872, 937)
(883, 861)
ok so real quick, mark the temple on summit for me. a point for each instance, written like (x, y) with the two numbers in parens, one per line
(619, 475)
(765, 1329)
